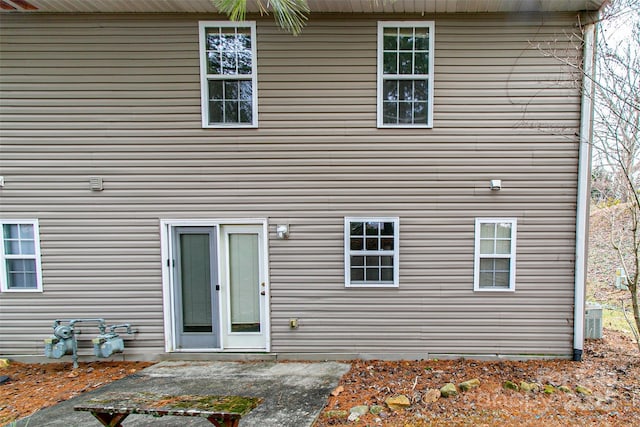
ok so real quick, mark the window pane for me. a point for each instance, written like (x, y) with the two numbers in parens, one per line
(390, 112)
(387, 229)
(244, 62)
(502, 264)
(387, 274)
(26, 231)
(487, 230)
(390, 90)
(405, 63)
(229, 63)
(406, 39)
(357, 261)
(373, 261)
(372, 228)
(244, 38)
(216, 112)
(245, 90)
(486, 247)
(373, 275)
(390, 38)
(405, 90)
(486, 264)
(231, 90)
(386, 261)
(372, 244)
(357, 229)
(246, 112)
(390, 63)
(501, 280)
(231, 112)
(12, 247)
(421, 61)
(214, 64)
(405, 112)
(386, 244)
(10, 231)
(421, 38)
(420, 90)
(503, 230)
(357, 274)
(486, 280)
(420, 112)
(216, 91)
(503, 246)
(357, 244)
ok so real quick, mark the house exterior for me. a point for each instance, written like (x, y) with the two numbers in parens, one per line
(402, 180)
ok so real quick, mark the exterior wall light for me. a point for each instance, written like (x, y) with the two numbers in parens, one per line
(495, 184)
(282, 231)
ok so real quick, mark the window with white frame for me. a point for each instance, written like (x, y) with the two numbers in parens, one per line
(371, 251)
(495, 254)
(20, 255)
(228, 74)
(405, 73)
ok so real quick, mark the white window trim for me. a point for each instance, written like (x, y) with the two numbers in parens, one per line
(511, 255)
(4, 285)
(430, 76)
(204, 85)
(395, 253)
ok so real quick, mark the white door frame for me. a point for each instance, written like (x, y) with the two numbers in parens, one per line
(168, 299)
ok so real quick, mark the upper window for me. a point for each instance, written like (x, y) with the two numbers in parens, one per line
(405, 74)
(495, 254)
(371, 251)
(228, 74)
(20, 256)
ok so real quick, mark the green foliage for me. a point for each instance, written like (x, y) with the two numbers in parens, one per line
(291, 15)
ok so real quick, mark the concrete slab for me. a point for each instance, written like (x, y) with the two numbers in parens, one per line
(293, 393)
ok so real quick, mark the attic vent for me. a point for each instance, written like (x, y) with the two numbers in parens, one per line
(593, 321)
(95, 183)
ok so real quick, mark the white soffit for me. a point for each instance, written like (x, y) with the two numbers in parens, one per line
(318, 6)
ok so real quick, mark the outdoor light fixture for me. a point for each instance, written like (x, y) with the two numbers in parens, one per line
(495, 184)
(282, 231)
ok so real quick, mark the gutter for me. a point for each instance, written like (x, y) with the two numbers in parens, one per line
(584, 178)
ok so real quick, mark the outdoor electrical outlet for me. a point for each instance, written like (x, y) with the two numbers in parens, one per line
(293, 323)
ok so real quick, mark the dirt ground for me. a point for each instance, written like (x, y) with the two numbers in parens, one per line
(35, 386)
(610, 369)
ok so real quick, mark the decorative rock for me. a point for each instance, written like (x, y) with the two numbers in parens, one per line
(4, 363)
(336, 414)
(4, 379)
(583, 390)
(353, 417)
(468, 385)
(396, 403)
(564, 389)
(359, 410)
(528, 387)
(510, 385)
(448, 390)
(431, 395)
(376, 409)
(549, 389)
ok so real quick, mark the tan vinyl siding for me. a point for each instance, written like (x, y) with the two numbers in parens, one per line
(118, 96)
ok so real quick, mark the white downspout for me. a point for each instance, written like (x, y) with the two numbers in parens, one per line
(584, 178)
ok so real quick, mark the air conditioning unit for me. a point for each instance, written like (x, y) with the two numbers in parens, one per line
(622, 282)
(593, 321)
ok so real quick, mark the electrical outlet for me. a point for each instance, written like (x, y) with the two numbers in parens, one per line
(293, 323)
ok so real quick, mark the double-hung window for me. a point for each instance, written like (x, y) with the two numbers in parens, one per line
(228, 74)
(495, 254)
(20, 255)
(405, 73)
(371, 251)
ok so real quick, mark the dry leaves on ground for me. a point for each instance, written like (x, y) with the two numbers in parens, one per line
(610, 369)
(35, 386)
